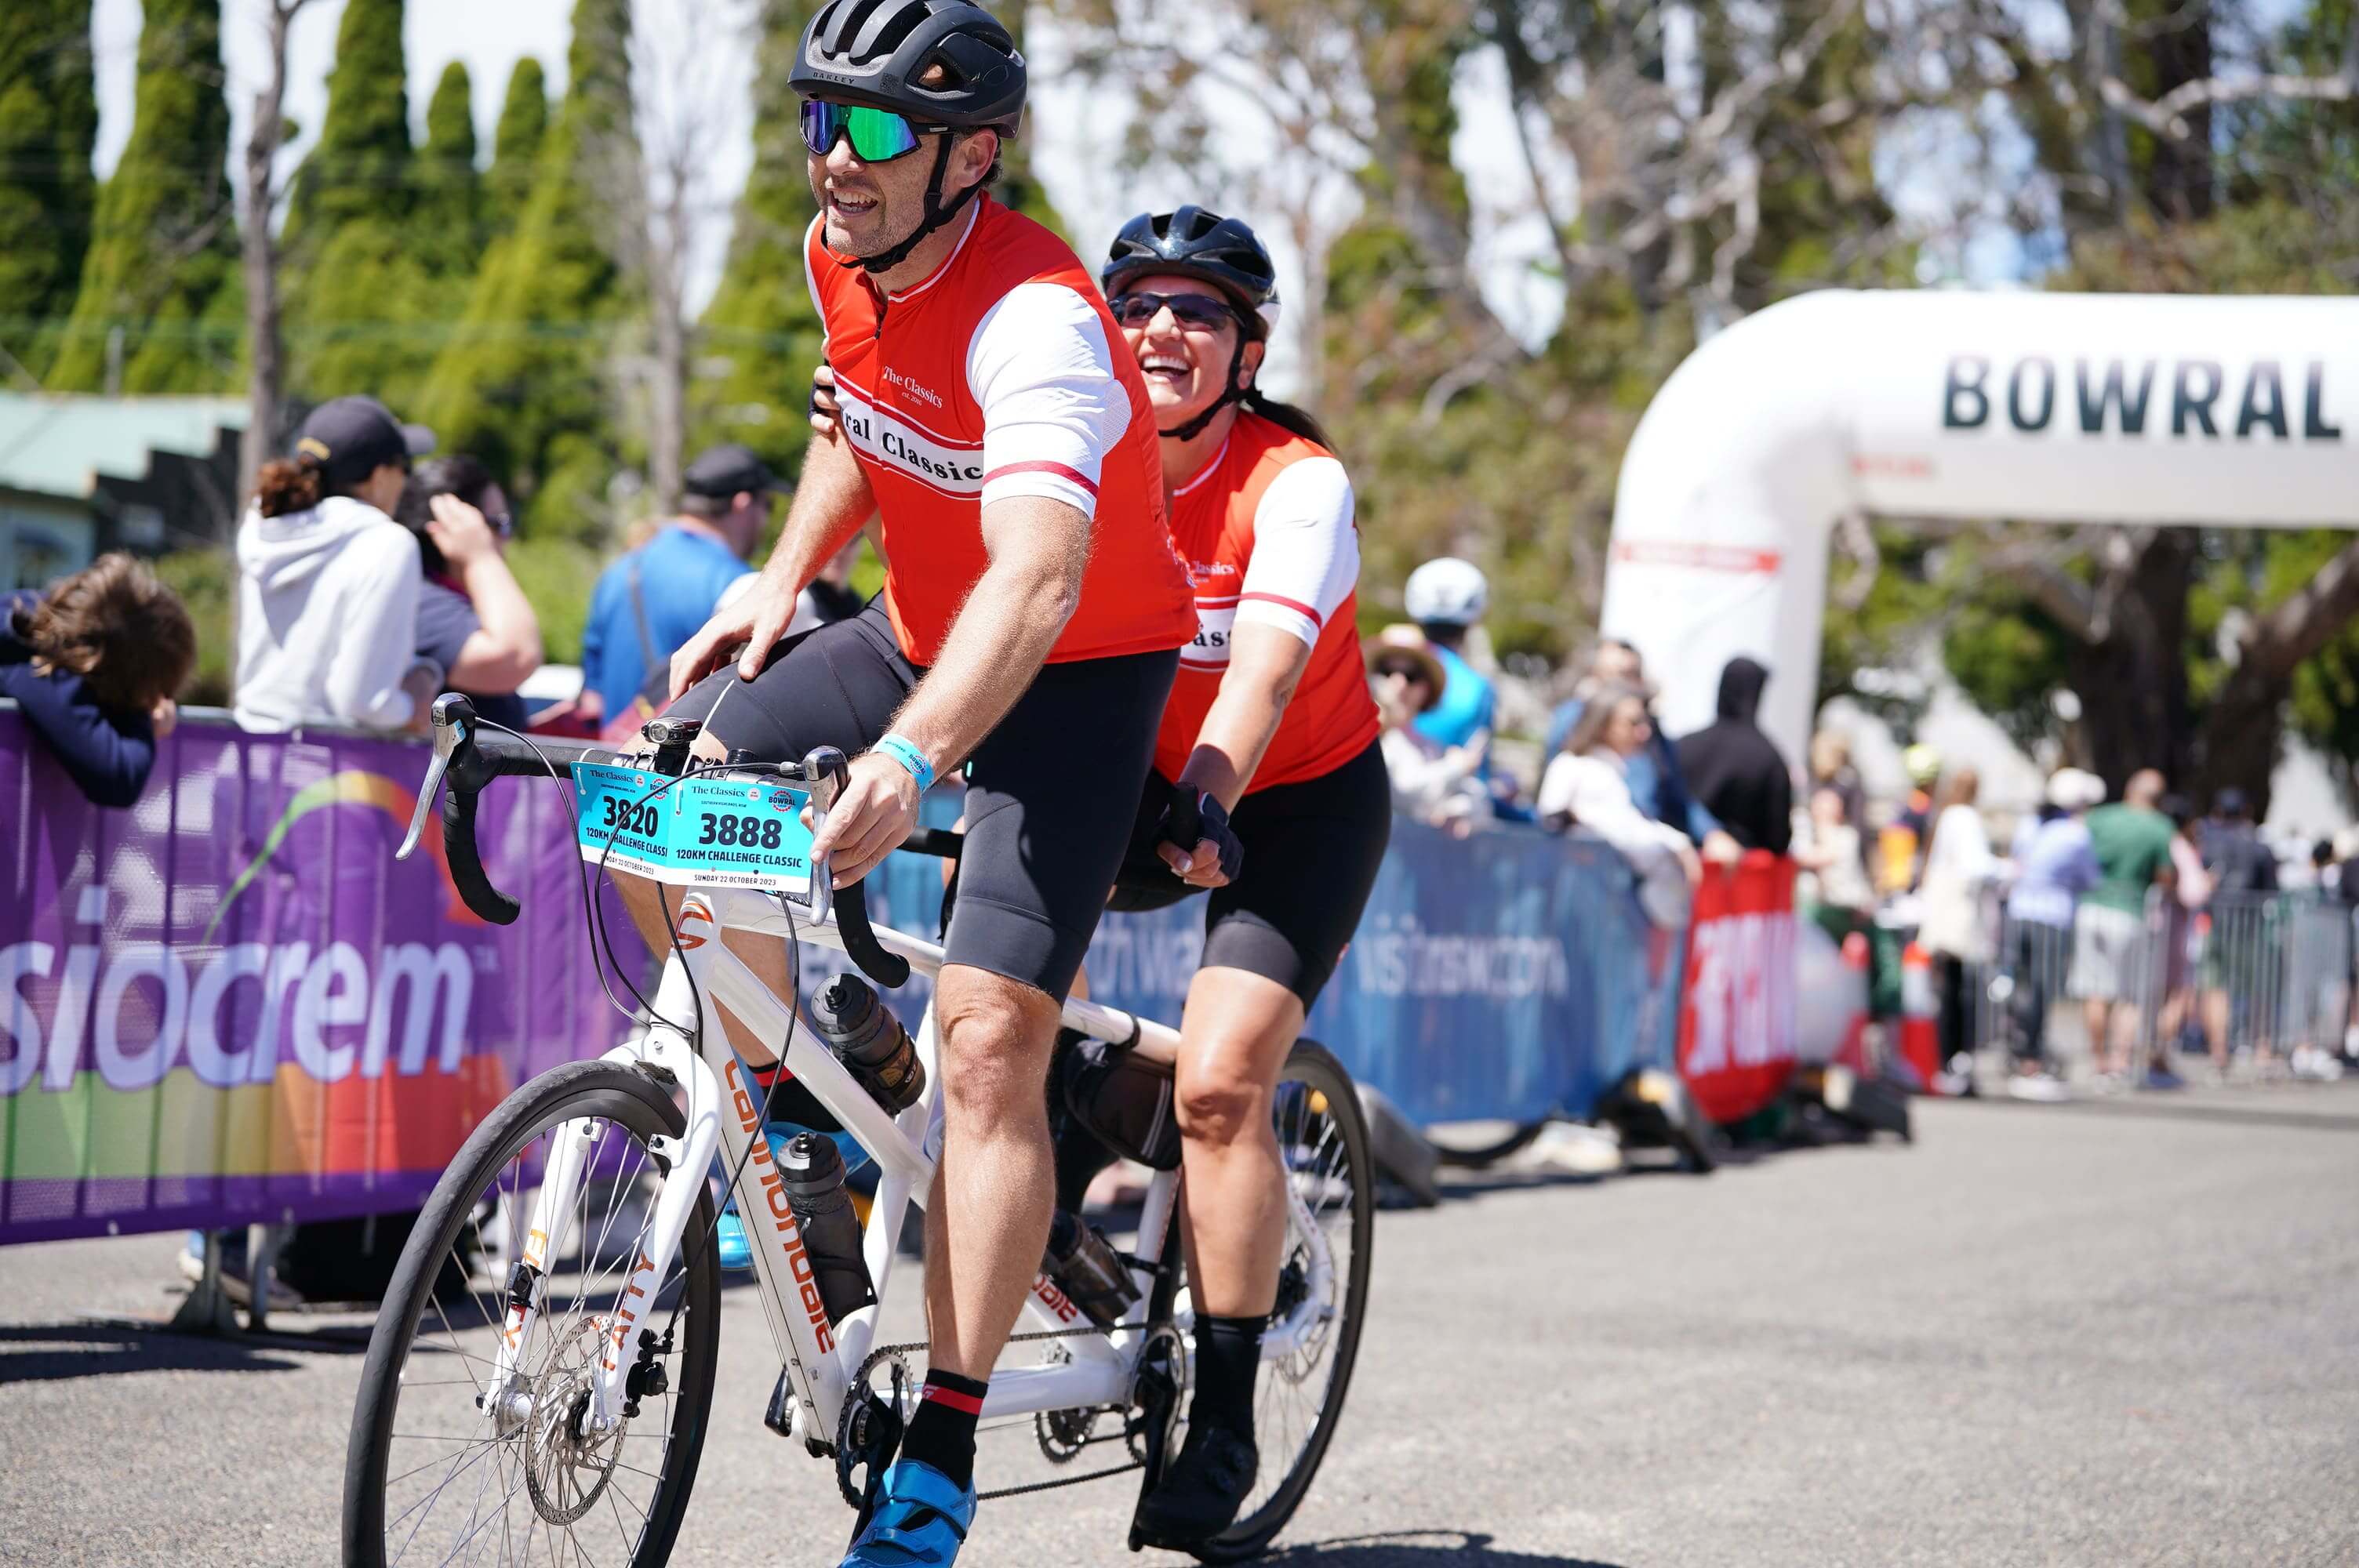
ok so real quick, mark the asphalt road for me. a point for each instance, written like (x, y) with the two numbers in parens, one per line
(2104, 1335)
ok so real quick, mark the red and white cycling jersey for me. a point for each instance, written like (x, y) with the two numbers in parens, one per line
(1267, 533)
(994, 378)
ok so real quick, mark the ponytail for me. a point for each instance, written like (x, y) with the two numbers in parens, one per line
(1287, 417)
(285, 485)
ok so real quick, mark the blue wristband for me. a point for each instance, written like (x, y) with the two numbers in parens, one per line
(904, 752)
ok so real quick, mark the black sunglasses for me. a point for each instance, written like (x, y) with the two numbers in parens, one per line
(1198, 311)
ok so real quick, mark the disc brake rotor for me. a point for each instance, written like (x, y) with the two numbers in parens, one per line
(567, 1465)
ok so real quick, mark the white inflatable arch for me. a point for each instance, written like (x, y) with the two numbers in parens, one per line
(2135, 408)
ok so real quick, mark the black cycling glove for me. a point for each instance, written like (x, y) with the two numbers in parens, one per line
(1193, 817)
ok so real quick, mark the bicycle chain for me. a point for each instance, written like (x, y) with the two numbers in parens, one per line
(886, 1352)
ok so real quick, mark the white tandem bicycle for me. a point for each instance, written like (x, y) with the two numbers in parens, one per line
(539, 1381)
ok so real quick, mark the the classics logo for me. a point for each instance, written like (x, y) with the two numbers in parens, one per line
(922, 394)
(887, 439)
(1216, 619)
(2120, 395)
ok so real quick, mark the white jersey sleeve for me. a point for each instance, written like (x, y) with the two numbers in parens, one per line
(1042, 371)
(1306, 553)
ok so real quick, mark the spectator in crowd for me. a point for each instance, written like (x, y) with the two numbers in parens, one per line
(2185, 926)
(473, 619)
(94, 665)
(830, 597)
(1831, 768)
(1735, 770)
(1432, 783)
(1656, 781)
(2112, 960)
(328, 582)
(1897, 846)
(1587, 784)
(1447, 598)
(656, 597)
(2055, 864)
(1832, 889)
(2232, 971)
(1959, 866)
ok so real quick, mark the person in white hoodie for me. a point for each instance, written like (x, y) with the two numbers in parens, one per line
(328, 582)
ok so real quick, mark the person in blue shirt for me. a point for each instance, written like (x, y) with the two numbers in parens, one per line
(94, 665)
(1446, 598)
(653, 600)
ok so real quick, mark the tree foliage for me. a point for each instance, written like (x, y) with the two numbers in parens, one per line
(524, 384)
(448, 221)
(49, 122)
(515, 146)
(162, 262)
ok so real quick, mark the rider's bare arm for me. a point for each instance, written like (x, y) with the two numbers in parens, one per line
(1265, 664)
(830, 503)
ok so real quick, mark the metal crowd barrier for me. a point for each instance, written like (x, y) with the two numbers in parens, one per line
(2246, 980)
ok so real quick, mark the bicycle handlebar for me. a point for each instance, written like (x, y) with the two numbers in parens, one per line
(467, 760)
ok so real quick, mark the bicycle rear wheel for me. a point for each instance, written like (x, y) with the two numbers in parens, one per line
(1322, 1293)
(430, 1474)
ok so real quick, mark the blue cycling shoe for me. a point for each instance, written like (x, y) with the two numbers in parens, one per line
(921, 1522)
(736, 1252)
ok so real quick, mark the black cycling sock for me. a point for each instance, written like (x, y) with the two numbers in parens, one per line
(942, 1432)
(1228, 1355)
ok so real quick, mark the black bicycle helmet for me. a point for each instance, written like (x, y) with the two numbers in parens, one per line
(875, 52)
(1196, 242)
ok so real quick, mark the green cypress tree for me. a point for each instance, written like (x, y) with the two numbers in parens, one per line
(448, 218)
(360, 167)
(163, 236)
(515, 149)
(523, 383)
(761, 323)
(48, 121)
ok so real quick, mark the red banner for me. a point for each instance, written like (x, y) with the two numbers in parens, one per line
(1737, 1007)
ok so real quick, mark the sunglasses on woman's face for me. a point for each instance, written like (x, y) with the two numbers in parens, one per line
(1200, 311)
(878, 135)
(1409, 673)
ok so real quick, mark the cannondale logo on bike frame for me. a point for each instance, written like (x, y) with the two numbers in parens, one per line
(782, 1214)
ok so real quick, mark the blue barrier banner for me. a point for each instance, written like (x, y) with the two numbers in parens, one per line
(229, 1004)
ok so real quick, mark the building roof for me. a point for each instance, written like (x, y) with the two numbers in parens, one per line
(59, 445)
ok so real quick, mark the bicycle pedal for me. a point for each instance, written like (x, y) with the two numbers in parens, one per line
(780, 1415)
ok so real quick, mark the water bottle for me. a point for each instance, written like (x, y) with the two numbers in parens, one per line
(1088, 1269)
(869, 1041)
(813, 1171)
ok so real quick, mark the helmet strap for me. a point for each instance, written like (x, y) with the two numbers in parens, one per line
(935, 217)
(1230, 392)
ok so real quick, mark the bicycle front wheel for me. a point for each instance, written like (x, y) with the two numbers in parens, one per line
(1313, 1336)
(436, 1472)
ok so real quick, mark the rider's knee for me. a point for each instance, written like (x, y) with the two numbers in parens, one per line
(1217, 1104)
(992, 1064)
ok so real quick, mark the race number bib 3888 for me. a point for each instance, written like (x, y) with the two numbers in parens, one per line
(720, 832)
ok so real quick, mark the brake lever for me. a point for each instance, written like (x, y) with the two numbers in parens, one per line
(452, 714)
(824, 772)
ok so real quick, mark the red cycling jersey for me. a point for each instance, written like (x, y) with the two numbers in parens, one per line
(1267, 533)
(994, 378)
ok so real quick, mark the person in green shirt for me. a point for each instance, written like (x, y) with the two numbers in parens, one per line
(2114, 957)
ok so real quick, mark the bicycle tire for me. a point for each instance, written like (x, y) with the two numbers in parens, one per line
(625, 1099)
(1460, 1157)
(1312, 1067)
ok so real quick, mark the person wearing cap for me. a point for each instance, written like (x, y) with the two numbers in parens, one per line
(653, 600)
(2055, 864)
(328, 582)
(1430, 782)
(1446, 597)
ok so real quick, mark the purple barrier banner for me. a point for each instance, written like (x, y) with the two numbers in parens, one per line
(229, 1004)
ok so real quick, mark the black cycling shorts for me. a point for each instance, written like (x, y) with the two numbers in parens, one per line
(1312, 850)
(1049, 798)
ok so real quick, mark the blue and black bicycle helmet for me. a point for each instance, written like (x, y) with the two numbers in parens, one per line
(1195, 242)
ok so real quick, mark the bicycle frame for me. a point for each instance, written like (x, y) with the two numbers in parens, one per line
(724, 1116)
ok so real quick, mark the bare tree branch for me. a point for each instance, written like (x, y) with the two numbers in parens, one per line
(2167, 116)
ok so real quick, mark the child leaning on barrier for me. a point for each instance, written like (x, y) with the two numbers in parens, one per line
(94, 664)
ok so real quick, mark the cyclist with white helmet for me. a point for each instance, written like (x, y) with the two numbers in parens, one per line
(1031, 625)
(1446, 598)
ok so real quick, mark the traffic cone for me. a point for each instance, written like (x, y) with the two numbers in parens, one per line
(1852, 1051)
(1920, 1042)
